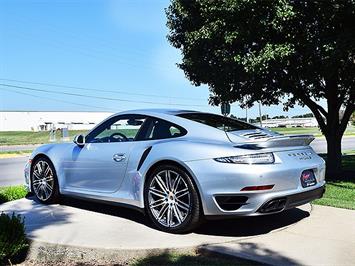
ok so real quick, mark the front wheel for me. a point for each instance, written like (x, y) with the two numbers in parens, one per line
(171, 200)
(44, 181)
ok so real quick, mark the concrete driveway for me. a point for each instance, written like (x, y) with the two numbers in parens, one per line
(324, 237)
(94, 225)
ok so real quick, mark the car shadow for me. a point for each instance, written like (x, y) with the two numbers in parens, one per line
(252, 226)
(236, 227)
(106, 208)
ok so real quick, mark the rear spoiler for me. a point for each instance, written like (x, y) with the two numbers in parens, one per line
(279, 141)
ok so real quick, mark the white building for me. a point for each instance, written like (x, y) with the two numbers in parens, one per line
(38, 121)
(291, 122)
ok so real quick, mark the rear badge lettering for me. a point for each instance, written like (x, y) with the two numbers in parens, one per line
(301, 155)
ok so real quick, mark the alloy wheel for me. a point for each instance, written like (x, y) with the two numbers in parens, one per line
(169, 198)
(43, 180)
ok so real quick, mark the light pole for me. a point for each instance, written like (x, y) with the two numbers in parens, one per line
(246, 114)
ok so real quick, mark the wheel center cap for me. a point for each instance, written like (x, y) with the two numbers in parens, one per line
(171, 197)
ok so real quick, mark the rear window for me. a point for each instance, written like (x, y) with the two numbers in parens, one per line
(217, 121)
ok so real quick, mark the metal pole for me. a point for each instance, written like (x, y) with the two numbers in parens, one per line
(260, 116)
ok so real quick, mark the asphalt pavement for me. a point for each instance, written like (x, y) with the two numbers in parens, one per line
(11, 169)
(320, 144)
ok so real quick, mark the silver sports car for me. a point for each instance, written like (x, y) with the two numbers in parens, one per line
(178, 166)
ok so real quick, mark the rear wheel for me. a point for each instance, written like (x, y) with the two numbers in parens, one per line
(44, 181)
(171, 200)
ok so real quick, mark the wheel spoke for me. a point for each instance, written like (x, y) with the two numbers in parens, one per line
(169, 181)
(47, 171)
(182, 191)
(177, 214)
(176, 183)
(161, 183)
(49, 186)
(181, 195)
(49, 178)
(157, 192)
(46, 193)
(182, 205)
(39, 168)
(36, 175)
(36, 182)
(169, 217)
(157, 203)
(162, 211)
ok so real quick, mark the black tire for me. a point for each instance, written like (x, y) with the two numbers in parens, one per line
(54, 196)
(193, 214)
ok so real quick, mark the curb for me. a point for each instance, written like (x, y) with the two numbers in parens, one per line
(40, 252)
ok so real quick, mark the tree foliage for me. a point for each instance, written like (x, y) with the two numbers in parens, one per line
(269, 51)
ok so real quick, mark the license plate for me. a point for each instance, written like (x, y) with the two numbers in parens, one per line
(308, 179)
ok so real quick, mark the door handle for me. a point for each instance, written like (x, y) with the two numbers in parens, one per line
(119, 157)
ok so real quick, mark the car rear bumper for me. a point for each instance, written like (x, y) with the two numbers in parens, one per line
(270, 207)
(223, 186)
(291, 201)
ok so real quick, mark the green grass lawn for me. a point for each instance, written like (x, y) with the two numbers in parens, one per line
(29, 137)
(350, 131)
(41, 137)
(12, 154)
(12, 193)
(340, 194)
(340, 190)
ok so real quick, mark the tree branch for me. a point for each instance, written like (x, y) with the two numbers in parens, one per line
(344, 121)
(300, 94)
(316, 109)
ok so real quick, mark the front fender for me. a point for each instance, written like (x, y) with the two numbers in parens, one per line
(55, 153)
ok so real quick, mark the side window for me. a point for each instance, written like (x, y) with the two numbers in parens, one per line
(160, 129)
(117, 129)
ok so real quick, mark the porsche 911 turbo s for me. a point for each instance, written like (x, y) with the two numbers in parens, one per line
(179, 166)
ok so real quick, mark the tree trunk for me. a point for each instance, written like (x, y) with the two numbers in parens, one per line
(333, 165)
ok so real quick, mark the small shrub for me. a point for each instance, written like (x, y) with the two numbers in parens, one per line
(12, 193)
(13, 242)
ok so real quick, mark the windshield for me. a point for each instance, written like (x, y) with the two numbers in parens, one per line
(217, 121)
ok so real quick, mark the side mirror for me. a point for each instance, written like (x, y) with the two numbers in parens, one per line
(79, 140)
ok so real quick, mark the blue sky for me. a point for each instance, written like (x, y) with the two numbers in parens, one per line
(118, 46)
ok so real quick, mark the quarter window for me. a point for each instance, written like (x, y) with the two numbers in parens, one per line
(160, 129)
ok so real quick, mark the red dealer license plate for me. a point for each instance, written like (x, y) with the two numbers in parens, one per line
(308, 179)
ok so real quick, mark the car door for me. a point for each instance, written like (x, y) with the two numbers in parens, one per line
(100, 165)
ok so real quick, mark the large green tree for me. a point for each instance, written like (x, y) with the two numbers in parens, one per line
(272, 51)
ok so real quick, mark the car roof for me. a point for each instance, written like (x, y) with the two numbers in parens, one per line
(193, 128)
(159, 111)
